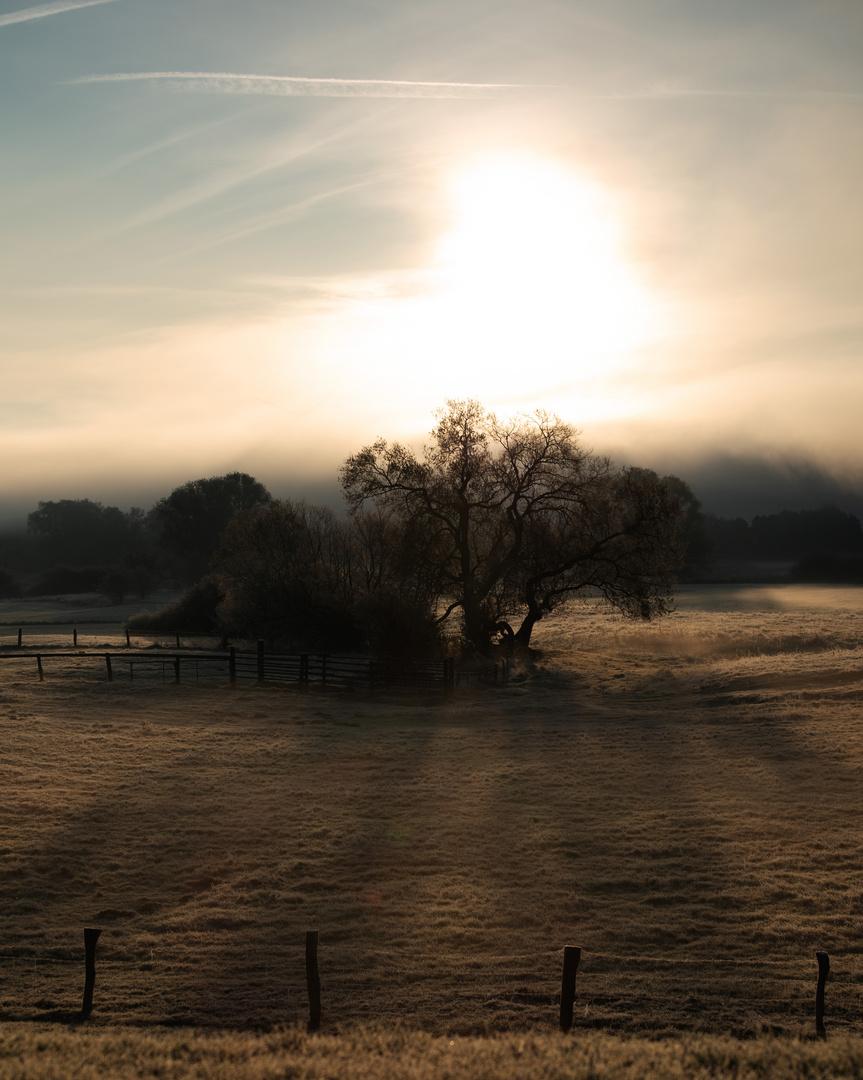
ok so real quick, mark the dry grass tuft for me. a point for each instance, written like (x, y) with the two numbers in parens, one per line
(41, 1053)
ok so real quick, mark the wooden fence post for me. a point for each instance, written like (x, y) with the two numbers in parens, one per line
(571, 957)
(108, 665)
(823, 971)
(313, 980)
(74, 638)
(304, 671)
(232, 666)
(90, 938)
(128, 641)
(177, 638)
(19, 637)
(261, 674)
(39, 666)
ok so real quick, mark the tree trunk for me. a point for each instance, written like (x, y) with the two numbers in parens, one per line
(522, 635)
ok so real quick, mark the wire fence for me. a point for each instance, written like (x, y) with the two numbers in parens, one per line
(525, 979)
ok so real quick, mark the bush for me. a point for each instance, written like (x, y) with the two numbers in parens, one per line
(195, 611)
(9, 587)
(391, 626)
(116, 585)
(57, 580)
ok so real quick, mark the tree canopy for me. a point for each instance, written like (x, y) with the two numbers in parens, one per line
(192, 518)
(81, 531)
(304, 575)
(512, 518)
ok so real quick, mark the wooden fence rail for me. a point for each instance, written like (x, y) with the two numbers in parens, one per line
(302, 670)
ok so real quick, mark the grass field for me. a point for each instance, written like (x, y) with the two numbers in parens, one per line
(681, 800)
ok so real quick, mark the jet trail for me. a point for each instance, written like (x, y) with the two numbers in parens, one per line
(43, 10)
(296, 86)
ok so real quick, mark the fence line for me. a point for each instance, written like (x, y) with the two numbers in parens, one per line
(347, 672)
(571, 958)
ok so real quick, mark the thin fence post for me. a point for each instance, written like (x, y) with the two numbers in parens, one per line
(232, 665)
(313, 980)
(128, 640)
(823, 971)
(260, 661)
(108, 665)
(91, 936)
(177, 638)
(39, 666)
(19, 637)
(74, 637)
(571, 957)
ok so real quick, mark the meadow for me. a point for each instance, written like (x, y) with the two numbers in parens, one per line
(680, 799)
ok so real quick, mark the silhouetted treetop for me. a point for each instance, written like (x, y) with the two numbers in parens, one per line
(192, 518)
(513, 517)
(80, 531)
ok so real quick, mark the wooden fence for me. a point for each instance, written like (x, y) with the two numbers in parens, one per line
(301, 670)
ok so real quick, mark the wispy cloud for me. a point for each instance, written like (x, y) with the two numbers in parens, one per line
(670, 90)
(295, 86)
(43, 10)
(253, 165)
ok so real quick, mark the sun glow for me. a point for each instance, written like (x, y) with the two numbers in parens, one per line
(533, 269)
(528, 298)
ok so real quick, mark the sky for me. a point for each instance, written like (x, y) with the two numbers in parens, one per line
(258, 236)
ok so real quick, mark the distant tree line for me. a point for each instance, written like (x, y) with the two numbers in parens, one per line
(78, 545)
(824, 544)
(491, 528)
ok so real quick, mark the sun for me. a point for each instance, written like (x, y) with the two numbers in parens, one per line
(534, 262)
(529, 299)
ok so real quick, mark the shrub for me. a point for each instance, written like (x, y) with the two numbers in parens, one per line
(9, 586)
(195, 611)
(61, 579)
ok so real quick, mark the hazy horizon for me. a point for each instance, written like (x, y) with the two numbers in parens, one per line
(727, 487)
(255, 239)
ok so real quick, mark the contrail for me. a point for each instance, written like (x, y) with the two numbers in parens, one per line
(48, 9)
(295, 86)
(670, 91)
